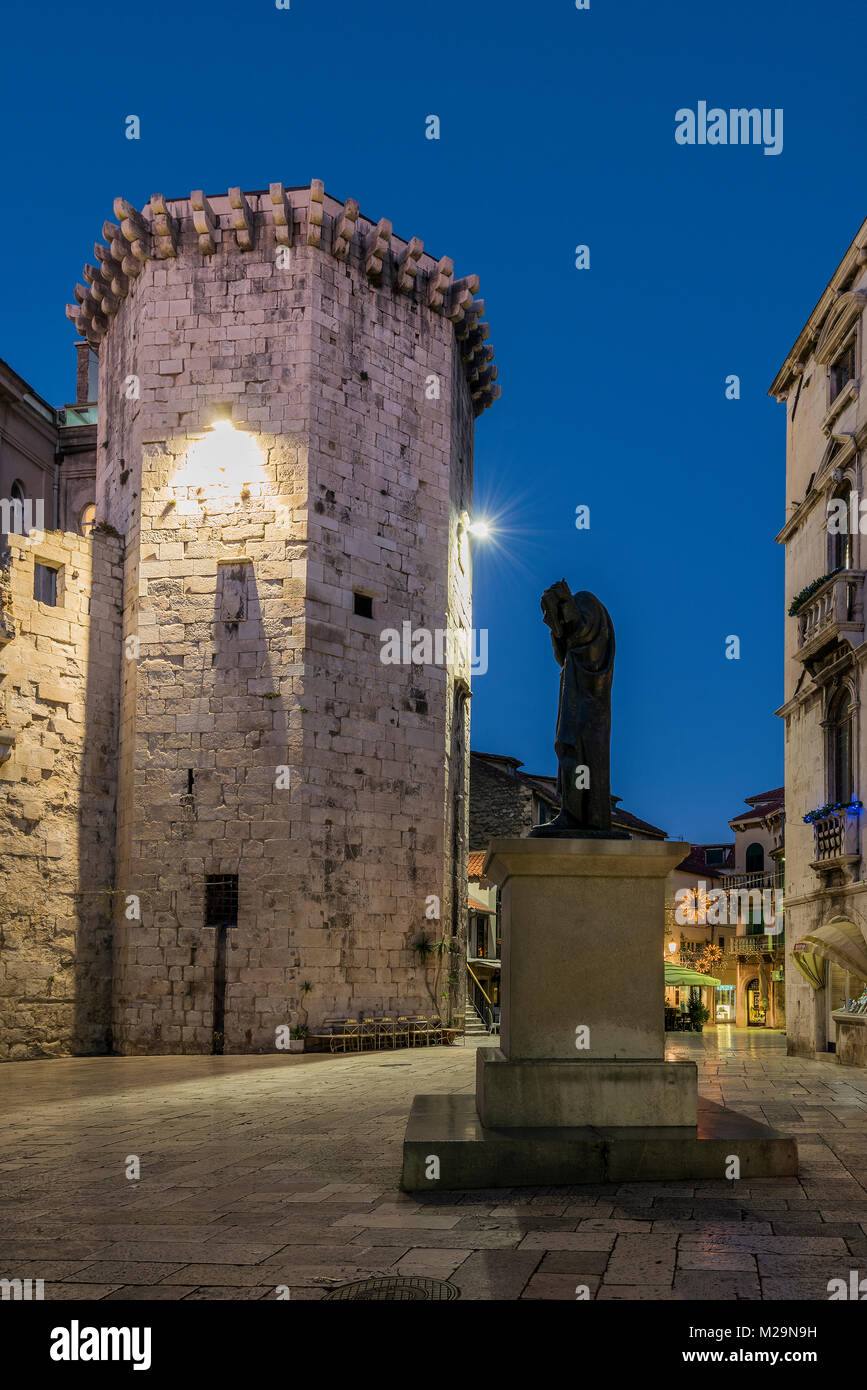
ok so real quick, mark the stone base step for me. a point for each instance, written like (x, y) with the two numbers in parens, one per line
(448, 1128)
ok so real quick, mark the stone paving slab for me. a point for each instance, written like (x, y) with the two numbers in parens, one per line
(260, 1171)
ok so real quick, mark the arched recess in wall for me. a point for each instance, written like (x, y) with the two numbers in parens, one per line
(839, 727)
(17, 496)
(840, 538)
(755, 859)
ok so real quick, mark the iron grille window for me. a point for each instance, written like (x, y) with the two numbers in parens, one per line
(221, 900)
(45, 584)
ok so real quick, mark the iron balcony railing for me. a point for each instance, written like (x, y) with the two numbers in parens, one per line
(748, 944)
(837, 834)
(764, 878)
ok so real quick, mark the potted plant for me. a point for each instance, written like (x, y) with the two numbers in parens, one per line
(698, 1015)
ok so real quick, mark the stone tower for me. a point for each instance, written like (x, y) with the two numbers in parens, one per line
(287, 394)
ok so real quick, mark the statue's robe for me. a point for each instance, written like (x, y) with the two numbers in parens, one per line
(584, 719)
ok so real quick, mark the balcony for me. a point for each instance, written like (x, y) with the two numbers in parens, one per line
(837, 839)
(765, 878)
(767, 946)
(756, 945)
(834, 612)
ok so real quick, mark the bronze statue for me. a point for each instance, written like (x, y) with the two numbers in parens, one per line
(583, 638)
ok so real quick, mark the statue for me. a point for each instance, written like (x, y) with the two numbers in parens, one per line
(583, 638)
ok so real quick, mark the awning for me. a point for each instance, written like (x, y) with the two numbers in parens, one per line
(679, 975)
(841, 942)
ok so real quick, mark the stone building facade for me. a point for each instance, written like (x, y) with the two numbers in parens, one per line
(825, 651)
(59, 681)
(506, 801)
(48, 455)
(287, 395)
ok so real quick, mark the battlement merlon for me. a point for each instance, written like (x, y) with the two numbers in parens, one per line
(290, 217)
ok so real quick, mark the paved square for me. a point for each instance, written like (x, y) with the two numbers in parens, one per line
(265, 1171)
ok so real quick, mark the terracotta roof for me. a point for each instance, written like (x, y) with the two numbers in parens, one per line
(696, 864)
(757, 807)
(627, 821)
(475, 863)
(770, 808)
(778, 794)
(475, 906)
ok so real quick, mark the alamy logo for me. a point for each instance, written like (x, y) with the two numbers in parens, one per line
(17, 516)
(726, 907)
(736, 127)
(443, 647)
(21, 1290)
(76, 1343)
(855, 1290)
(851, 518)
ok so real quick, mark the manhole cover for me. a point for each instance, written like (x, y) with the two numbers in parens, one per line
(396, 1289)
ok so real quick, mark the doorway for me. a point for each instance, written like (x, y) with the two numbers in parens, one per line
(756, 1012)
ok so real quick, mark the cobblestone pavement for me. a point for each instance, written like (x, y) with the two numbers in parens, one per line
(262, 1171)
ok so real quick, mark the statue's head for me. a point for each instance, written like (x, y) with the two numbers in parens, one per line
(554, 606)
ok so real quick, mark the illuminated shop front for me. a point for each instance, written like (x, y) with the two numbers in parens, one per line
(724, 1005)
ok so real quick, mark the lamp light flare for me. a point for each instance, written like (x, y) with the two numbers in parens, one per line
(227, 459)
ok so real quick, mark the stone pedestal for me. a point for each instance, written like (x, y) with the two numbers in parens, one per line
(851, 1038)
(583, 1023)
(579, 1089)
(545, 1094)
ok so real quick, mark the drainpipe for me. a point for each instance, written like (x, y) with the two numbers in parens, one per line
(58, 454)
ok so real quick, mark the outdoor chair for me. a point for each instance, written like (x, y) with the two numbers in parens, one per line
(345, 1034)
(385, 1032)
(420, 1032)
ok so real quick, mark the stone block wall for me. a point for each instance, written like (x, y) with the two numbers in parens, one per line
(261, 733)
(58, 782)
(500, 804)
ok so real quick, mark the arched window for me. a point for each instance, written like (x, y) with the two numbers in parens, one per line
(840, 747)
(86, 518)
(16, 519)
(839, 536)
(755, 858)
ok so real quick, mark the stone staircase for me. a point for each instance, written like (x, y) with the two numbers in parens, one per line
(473, 1024)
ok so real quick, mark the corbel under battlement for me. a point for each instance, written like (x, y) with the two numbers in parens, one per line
(290, 217)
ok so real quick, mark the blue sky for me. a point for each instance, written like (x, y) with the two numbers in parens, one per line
(557, 129)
